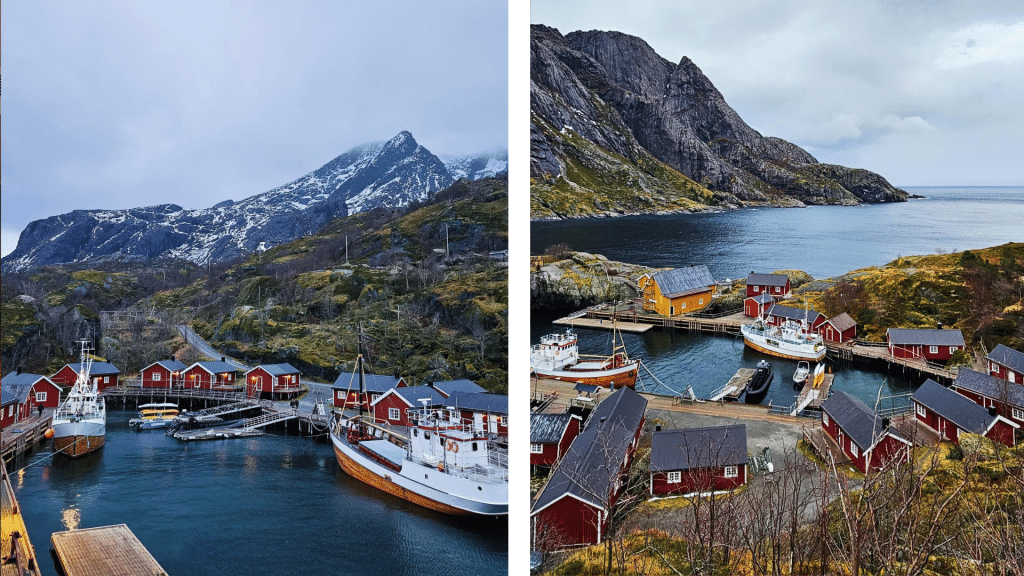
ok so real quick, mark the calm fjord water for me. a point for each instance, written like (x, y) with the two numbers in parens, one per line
(821, 240)
(271, 505)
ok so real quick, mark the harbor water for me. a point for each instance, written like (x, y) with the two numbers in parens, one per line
(273, 504)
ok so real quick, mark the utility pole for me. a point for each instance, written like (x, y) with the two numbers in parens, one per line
(346, 249)
(446, 240)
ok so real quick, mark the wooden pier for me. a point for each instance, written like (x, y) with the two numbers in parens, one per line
(879, 351)
(621, 326)
(812, 396)
(23, 436)
(104, 551)
(629, 319)
(734, 387)
(17, 555)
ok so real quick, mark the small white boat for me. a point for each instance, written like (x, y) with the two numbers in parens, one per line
(803, 369)
(154, 416)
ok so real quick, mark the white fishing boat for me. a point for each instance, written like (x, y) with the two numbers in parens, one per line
(789, 340)
(803, 369)
(154, 416)
(80, 422)
(442, 464)
(557, 357)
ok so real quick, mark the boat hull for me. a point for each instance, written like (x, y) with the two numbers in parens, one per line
(622, 376)
(398, 484)
(76, 439)
(783, 349)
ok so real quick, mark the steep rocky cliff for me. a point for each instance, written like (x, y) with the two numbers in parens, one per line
(613, 119)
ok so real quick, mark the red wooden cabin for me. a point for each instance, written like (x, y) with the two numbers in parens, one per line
(841, 328)
(935, 345)
(21, 393)
(487, 412)
(951, 414)
(1006, 363)
(990, 391)
(754, 306)
(698, 460)
(104, 374)
(550, 437)
(778, 314)
(775, 284)
(393, 406)
(210, 375)
(273, 381)
(865, 438)
(163, 374)
(346, 389)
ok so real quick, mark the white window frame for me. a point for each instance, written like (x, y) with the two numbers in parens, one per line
(953, 349)
(106, 379)
(341, 395)
(536, 448)
(674, 477)
(933, 349)
(374, 398)
(453, 415)
(1017, 414)
(824, 418)
(40, 397)
(732, 471)
(993, 367)
(1011, 376)
(921, 410)
(854, 450)
(157, 376)
(757, 289)
(701, 303)
(394, 414)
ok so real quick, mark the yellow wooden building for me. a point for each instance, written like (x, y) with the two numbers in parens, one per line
(677, 291)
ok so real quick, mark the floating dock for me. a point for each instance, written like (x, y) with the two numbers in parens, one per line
(734, 387)
(812, 396)
(104, 551)
(621, 326)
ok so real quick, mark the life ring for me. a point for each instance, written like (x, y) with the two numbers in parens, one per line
(451, 446)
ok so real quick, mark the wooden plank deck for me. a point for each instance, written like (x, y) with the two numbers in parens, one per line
(601, 324)
(812, 396)
(734, 387)
(21, 436)
(19, 557)
(104, 551)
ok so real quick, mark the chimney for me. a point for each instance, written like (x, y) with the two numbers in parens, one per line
(223, 359)
(19, 369)
(940, 325)
(992, 411)
(657, 427)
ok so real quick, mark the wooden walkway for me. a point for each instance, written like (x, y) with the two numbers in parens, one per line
(22, 436)
(17, 555)
(622, 326)
(601, 317)
(879, 351)
(812, 396)
(734, 387)
(104, 551)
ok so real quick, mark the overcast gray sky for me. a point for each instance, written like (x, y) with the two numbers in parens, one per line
(122, 104)
(924, 93)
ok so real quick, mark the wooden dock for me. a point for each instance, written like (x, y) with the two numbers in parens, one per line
(734, 387)
(104, 551)
(622, 316)
(214, 434)
(598, 323)
(17, 555)
(812, 396)
(21, 437)
(879, 351)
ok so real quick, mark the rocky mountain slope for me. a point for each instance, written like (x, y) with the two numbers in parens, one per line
(616, 127)
(383, 174)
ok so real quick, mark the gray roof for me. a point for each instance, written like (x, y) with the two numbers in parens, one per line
(793, 313)
(762, 298)
(374, 383)
(1008, 357)
(277, 369)
(842, 322)
(449, 387)
(591, 465)
(859, 422)
(413, 395)
(767, 279)
(15, 387)
(988, 385)
(216, 366)
(548, 428)
(925, 336)
(478, 402)
(691, 448)
(682, 281)
(172, 365)
(98, 368)
(958, 409)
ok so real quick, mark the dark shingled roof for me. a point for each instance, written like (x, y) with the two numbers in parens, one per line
(925, 336)
(1008, 357)
(373, 383)
(449, 387)
(683, 281)
(842, 322)
(763, 298)
(691, 448)
(591, 465)
(767, 279)
(548, 428)
(791, 313)
(216, 366)
(954, 407)
(478, 402)
(988, 385)
(855, 418)
(172, 365)
(413, 395)
(277, 369)
(98, 368)
(15, 387)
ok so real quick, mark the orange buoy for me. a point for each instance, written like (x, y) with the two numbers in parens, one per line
(48, 433)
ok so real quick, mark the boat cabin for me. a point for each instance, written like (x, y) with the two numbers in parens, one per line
(777, 285)
(163, 374)
(550, 436)
(951, 414)
(21, 395)
(839, 329)
(698, 460)
(935, 345)
(210, 375)
(346, 389)
(555, 351)
(448, 445)
(677, 291)
(1006, 363)
(865, 438)
(990, 391)
(273, 381)
(103, 374)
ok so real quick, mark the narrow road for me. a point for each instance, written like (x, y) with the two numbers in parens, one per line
(204, 348)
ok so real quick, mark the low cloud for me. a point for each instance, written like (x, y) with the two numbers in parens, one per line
(982, 44)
